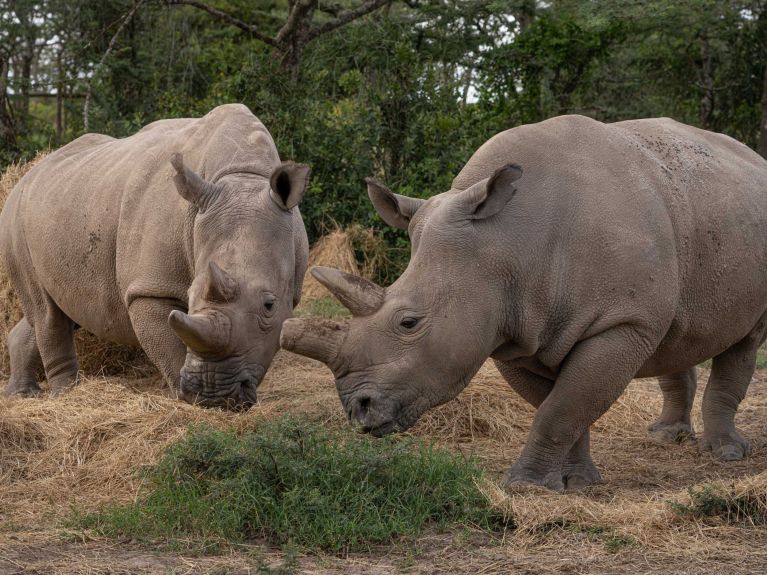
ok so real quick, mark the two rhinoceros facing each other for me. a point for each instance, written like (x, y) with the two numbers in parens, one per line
(184, 238)
(575, 254)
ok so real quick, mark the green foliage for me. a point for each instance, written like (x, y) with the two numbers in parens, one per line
(715, 501)
(326, 307)
(405, 94)
(298, 482)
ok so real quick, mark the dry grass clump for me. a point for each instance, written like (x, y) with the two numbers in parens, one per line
(342, 249)
(487, 408)
(334, 250)
(95, 356)
(371, 249)
(87, 445)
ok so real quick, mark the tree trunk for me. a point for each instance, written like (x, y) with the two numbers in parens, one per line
(59, 100)
(762, 146)
(7, 124)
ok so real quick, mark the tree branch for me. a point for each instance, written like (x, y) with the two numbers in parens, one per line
(347, 16)
(228, 18)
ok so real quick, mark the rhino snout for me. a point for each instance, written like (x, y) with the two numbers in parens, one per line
(209, 384)
(372, 415)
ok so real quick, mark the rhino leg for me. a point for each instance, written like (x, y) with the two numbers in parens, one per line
(578, 470)
(674, 424)
(25, 361)
(149, 318)
(54, 332)
(731, 373)
(595, 374)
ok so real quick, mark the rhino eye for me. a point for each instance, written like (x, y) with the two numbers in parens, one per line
(269, 301)
(409, 322)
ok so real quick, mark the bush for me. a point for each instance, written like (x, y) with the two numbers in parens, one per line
(295, 482)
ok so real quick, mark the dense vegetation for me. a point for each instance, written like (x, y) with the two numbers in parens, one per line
(299, 483)
(404, 90)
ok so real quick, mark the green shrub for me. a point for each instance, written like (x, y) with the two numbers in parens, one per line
(297, 482)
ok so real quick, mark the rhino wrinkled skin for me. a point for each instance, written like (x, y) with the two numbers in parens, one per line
(184, 238)
(578, 255)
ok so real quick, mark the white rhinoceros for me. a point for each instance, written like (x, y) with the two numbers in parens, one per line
(578, 255)
(125, 236)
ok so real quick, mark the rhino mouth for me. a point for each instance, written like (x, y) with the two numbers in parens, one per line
(211, 384)
(383, 429)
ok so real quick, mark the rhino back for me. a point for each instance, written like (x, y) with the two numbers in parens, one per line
(649, 221)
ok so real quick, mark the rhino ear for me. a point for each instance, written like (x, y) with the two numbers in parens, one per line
(289, 182)
(395, 210)
(488, 197)
(192, 187)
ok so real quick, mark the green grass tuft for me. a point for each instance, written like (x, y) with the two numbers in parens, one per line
(300, 483)
(714, 501)
(326, 307)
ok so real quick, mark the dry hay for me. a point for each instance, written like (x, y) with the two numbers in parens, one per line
(339, 249)
(334, 250)
(95, 356)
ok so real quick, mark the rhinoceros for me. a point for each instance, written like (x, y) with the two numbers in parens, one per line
(184, 238)
(577, 255)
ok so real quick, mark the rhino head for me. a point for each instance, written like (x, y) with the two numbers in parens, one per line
(249, 248)
(417, 343)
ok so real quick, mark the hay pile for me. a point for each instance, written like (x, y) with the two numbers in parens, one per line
(341, 249)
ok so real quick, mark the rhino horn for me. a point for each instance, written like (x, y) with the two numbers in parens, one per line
(221, 287)
(360, 296)
(192, 187)
(315, 338)
(200, 333)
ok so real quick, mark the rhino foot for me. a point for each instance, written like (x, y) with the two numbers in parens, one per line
(579, 475)
(61, 386)
(27, 389)
(569, 477)
(726, 447)
(677, 432)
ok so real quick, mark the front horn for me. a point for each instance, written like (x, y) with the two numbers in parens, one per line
(200, 333)
(318, 339)
(360, 296)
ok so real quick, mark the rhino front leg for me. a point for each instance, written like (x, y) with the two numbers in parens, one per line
(674, 424)
(579, 470)
(731, 373)
(595, 374)
(25, 360)
(149, 318)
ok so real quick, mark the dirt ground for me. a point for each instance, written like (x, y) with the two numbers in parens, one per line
(84, 450)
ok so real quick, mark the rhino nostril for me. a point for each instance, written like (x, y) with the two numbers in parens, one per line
(358, 409)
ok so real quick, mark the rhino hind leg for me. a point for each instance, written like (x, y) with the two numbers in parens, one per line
(26, 362)
(674, 424)
(54, 332)
(578, 470)
(731, 373)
